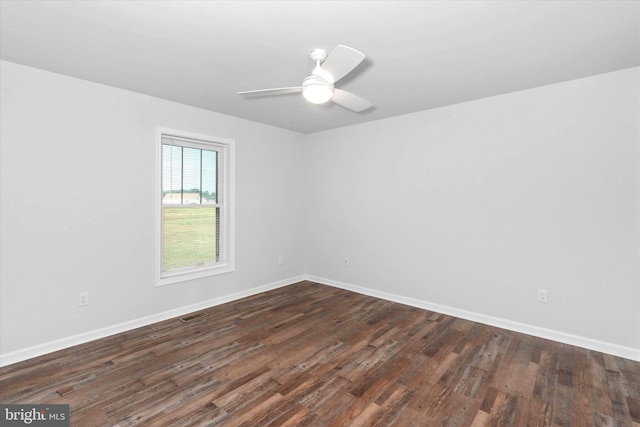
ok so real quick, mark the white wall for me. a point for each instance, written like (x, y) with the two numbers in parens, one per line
(474, 206)
(77, 207)
(469, 208)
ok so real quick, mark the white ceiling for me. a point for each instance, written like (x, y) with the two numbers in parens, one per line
(420, 54)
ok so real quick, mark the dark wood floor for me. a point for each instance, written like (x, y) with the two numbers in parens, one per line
(309, 354)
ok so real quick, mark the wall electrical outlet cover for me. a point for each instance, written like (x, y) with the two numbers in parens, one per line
(83, 299)
(542, 295)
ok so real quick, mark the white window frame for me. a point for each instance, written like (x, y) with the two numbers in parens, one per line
(226, 152)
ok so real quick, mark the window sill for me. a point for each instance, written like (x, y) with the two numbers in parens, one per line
(175, 278)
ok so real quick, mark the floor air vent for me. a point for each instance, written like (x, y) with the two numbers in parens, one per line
(65, 390)
(193, 317)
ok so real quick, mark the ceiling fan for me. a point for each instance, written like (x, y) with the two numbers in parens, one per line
(319, 87)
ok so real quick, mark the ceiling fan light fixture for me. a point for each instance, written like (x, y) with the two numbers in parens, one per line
(319, 88)
(316, 90)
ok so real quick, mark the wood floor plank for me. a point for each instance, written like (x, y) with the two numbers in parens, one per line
(314, 355)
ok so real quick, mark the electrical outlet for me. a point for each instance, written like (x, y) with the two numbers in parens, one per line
(347, 263)
(281, 259)
(542, 295)
(83, 299)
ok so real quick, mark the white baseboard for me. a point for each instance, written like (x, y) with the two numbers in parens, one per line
(49, 347)
(562, 337)
(588, 343)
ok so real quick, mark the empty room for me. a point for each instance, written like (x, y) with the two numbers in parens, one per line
(320, 213)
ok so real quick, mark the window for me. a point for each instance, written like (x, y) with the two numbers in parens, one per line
(195, 203)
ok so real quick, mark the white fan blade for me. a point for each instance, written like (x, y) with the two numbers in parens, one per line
(341, 61)
(350, 101)
(274, 91)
